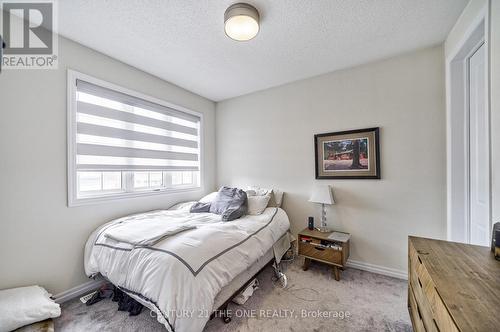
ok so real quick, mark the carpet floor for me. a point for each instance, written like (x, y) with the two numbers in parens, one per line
(312, 301)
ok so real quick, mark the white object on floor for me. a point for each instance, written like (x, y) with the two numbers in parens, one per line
(282, 279)
(87, 297)
(280, 276)
(242, 297)
(25, 305)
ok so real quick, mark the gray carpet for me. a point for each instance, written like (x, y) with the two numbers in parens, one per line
(368, 302)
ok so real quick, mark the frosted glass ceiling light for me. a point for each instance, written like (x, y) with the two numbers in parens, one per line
(241, 22)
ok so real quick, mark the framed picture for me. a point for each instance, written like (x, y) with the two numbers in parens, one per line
(353, 154)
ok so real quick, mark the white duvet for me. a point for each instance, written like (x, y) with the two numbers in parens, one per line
(180, 276)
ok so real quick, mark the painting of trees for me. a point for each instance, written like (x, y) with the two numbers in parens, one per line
(345, 154)
(350, 154)
(359, 148)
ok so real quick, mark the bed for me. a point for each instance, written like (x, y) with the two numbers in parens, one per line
(186, 276)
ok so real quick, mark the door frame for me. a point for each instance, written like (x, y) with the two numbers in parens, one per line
(457, 127)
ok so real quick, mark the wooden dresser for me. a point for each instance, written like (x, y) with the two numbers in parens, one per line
(452, 286)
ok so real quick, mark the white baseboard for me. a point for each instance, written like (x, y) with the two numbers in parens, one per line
(378, 269)
(75, 292)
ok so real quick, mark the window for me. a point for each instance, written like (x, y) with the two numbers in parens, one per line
(123, 144)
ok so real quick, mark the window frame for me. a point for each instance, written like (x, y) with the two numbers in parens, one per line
(73, 199)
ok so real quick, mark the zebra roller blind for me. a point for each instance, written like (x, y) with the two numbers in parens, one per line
(119, 132)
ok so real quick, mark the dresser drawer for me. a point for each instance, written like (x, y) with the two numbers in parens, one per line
(416, 318)
(428, 297)
(441, 315)
(458, 283)
(315, 251)
(418, 269)
(424, 306)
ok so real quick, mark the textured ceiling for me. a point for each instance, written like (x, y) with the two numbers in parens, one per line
(183, 41)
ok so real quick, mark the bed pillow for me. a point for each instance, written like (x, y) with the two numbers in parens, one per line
(233, 213)
(200, 207)
(25, 305)
(257, 204)
(208, 198)
(203, 205)
(276, 195)
(230, 203)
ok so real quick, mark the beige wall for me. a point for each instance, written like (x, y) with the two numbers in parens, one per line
(266, 138)
(41, 239)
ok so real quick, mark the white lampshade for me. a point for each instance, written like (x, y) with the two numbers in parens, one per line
(241, 22)
(322, 194)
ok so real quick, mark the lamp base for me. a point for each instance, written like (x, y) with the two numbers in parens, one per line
(323, 228)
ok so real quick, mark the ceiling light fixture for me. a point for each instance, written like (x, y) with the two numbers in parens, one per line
(241, 21)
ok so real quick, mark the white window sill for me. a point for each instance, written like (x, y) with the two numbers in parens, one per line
(126, 195)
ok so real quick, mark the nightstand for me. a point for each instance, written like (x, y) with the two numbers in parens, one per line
(331, 248)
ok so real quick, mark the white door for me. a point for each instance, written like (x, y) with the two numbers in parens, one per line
(479, 161)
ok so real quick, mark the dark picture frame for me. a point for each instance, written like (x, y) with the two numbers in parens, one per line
(350, 154)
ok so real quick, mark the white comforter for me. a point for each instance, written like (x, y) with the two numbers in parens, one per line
(180, 276)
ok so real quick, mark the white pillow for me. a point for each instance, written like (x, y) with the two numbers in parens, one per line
(257, 204)
(276, 195)
(25, 305)
(257, 191)
(208, 198)
(251, 192)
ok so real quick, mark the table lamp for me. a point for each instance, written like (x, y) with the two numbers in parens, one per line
(322, 195)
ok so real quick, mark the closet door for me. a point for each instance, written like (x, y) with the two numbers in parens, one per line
(479, 161)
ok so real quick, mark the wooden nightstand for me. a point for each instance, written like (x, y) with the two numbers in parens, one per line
(322, 248)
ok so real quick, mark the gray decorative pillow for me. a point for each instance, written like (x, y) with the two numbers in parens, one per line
(200, 207)
(230, 203)
(234, 213)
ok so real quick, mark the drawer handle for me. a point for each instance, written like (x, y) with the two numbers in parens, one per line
(419, 260)
(319, 248)
(419, 282)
